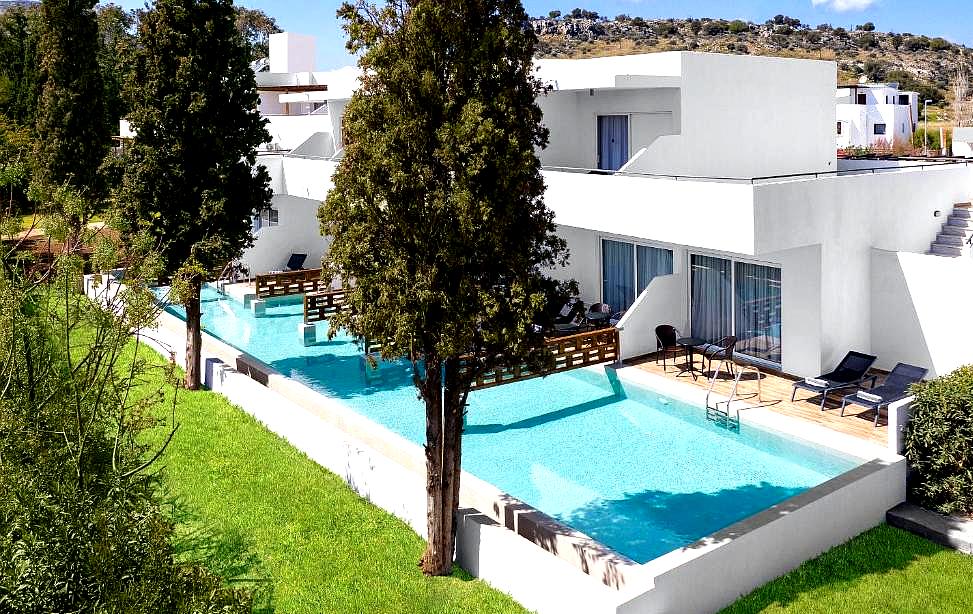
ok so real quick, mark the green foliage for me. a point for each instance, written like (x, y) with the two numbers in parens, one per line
(190, 180)
(256, 27)
(437, 209)
(20, 31)
(883, 570)
(738, 26)
(939, 443)
(72, 132)
(82, 526)
(907, 81)
(116, 44)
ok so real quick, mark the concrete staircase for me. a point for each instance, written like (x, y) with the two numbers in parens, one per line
(954, 238)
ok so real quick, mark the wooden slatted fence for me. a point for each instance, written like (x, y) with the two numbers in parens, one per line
(573, 352)
(291, 282)
(319, 305)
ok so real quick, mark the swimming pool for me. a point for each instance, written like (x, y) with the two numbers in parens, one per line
(640, 472)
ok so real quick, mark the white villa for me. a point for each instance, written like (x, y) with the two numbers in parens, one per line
(681, 204)
(875, 114)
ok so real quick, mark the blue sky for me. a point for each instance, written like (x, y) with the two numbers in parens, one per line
(950, 19)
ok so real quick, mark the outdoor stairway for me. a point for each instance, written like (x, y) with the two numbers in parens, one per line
(955, 237)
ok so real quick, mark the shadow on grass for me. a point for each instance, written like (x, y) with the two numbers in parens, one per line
(226, 554)
(878, 551)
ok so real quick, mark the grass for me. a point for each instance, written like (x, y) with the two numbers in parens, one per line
(885, 570)
(256, 507)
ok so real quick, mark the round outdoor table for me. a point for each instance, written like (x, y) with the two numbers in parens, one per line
(689, 343)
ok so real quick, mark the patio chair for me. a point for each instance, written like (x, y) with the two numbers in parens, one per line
(665, 343)
(296, 262)
(569, 312)
(894, 388)
(599, 314)
(851, 372)
(721, 351)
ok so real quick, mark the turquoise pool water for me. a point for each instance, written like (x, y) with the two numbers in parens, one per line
(639, 472)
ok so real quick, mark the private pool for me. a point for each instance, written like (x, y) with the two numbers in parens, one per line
(638, 471)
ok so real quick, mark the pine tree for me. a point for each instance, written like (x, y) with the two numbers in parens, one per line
(437, 211)
(192, 180)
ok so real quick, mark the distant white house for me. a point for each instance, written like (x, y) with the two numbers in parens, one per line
(703, 191)
(871, 114)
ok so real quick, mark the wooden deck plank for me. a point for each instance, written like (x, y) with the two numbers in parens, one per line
(776, 395)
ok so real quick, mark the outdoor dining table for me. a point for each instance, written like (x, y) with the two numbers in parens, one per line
(690, 343)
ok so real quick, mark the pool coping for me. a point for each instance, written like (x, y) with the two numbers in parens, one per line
(631, 582)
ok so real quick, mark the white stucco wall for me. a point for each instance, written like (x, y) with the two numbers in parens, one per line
(963, 142)
(297, 233)
(848, 216)
(291, 52)
(917, 306)
(665, 301)
(707, 214)
(289, 131)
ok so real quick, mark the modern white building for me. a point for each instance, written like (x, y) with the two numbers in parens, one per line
(875, 114)
(702, 191)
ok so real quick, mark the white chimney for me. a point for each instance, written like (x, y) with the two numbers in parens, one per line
(290, 52)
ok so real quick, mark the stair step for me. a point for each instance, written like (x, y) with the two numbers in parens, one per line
(946, 250)
(947, 239)
(959, 231)
(955, 220)
(961, 212)
(962, 206)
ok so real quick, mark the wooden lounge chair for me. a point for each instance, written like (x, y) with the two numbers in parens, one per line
(851, 372)
(894, 388)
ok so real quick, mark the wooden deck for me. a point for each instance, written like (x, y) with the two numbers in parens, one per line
(776, 395)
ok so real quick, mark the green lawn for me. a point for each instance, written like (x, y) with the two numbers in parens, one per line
(884, 571)
(255, 507)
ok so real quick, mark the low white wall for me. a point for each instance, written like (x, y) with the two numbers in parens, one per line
(963, 142)
(297, 233)
(716, 571)
(918, 310)
(664, 301)
(289, 131)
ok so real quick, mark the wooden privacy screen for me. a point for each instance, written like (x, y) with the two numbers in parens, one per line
(319, 305)
(291, 282)
(581, 350)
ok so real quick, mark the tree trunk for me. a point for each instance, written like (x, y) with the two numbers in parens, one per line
(453, 408)
(194, 337)
(438, 557)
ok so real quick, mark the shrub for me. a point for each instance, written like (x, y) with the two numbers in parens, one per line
(738, 26)
(939, 443)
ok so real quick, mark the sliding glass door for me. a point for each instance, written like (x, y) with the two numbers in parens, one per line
(618, 274)
(628, 269)
(737, 298)
(711, 297)
(757, 307)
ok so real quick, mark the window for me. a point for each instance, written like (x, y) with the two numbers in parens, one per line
(879, 129)
(839, 127)
(317, 106)
(737, 298)
(628, 269)
(903, 128)
(904, 99)
(267, 217)
(861, 99)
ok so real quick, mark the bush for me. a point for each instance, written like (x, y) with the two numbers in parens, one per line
(738, 26)
(939, 444)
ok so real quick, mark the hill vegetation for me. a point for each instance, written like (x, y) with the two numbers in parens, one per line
(929, 65)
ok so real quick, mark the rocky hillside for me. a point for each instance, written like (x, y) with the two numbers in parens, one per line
(917, 62)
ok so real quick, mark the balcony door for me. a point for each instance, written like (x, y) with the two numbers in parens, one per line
(737, 298)
(612, 141)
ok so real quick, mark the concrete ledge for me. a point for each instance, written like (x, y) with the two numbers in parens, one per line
(949, 531)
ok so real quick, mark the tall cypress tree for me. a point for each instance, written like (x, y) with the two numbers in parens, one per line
(72, 134)
(437, 211)
(191, 181)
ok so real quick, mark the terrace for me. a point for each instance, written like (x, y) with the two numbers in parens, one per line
(775, 394)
